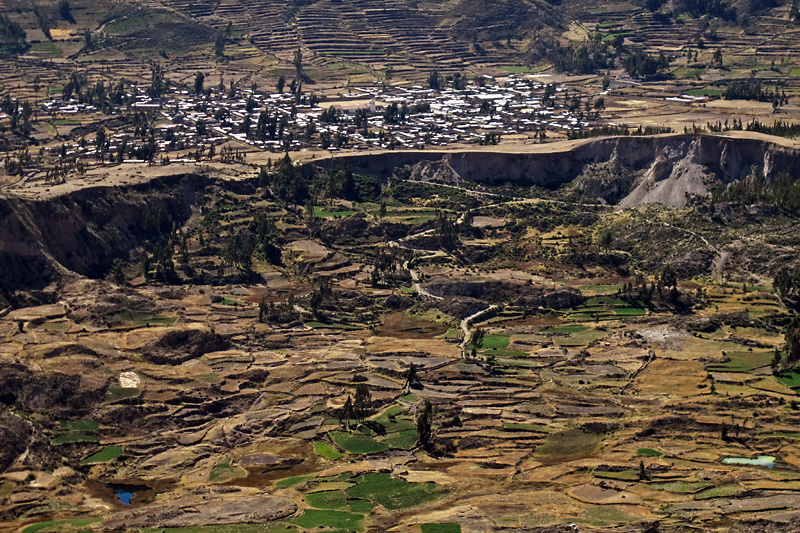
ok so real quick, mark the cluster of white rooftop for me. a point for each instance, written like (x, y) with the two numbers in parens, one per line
(510, 106)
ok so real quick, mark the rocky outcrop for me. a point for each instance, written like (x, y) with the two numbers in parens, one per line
(86, 231)
(664, 169)
(14, 438)
(178, 346)
(55, 391)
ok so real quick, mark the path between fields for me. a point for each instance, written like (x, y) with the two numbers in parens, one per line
(466, 323)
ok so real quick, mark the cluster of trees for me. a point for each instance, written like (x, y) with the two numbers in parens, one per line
(603, 131)
(490, 139)
(322, 292)
(445, 230)
(284, 181)
(266, 238)
(15, 166)
(435, 80)
(787, 282)
(791, 334)
(782, 191)
(643, 65)
(12, 36)
(221, 38)
(698, 8)
(356, 410)
(238, 250)
(779, 127)
(753, 90)
(385, 264)
(664, 287)
(58, 173)
(159, 226)
(585, 57)
(98, 95)
(19, 115)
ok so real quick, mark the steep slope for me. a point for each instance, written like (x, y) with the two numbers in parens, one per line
(84, 232)
(628, 171)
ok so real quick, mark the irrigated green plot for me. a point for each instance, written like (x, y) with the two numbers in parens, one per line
(323, 449)
(790, 378)
(226, 528)
(443, 527)
(331, 499)
(743, 361)
(706, 91)
(360, 506)
(80, 425)
(71, 439)
(58, 525)
(629, 311)
(106, 455)
(142, 319)
(393, 493)
(355, 443)
(648, 452)
(403, 440)
(314, 518)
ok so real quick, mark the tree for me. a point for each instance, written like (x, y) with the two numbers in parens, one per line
(411, 376)
(642, 471)
(100, 143)
(281, 84)
(605, 239)
(434, 80)
(363, 401)
(65, 11)
(157, 82)
(297, 60)
(717, 57)
(478, 335)
(199, 80)
(219, 44)
(346, 413)
(425, 426)
(792, 337)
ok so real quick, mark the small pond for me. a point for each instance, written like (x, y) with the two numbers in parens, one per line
(125, 493)
(762, 460)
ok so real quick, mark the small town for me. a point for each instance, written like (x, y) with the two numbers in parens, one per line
(188, 125)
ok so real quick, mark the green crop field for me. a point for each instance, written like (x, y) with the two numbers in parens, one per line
(106, 455)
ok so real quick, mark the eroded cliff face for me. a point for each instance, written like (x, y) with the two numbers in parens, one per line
(84, 232)
(637, 170)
